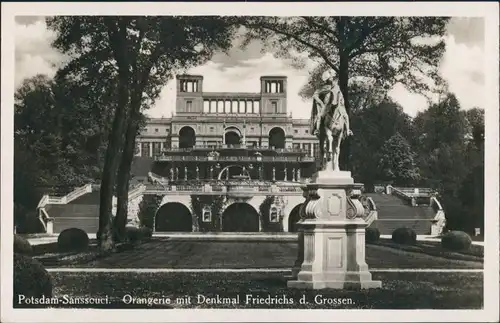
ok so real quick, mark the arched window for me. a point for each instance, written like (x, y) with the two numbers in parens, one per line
(187, 137)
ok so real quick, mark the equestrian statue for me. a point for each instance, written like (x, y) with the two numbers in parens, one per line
(330, 123)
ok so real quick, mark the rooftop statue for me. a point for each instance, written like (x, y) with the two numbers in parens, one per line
(330, 123)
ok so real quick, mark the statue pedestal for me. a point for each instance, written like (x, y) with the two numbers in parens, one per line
(332, 236)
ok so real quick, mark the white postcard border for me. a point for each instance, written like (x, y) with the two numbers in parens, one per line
(488, 10)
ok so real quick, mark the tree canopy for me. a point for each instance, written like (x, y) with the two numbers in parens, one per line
(141, 54)
(375, 51)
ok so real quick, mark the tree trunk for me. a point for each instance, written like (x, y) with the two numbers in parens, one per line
(344, 87)
(123, 181)
(111, 162)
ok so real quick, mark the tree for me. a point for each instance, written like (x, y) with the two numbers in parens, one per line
(381, 51)
(450, 143)
(374, 125)
(57, 139)
(440, 138)
(396, 162)
(144, 53)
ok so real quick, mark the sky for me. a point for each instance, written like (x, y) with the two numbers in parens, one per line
(239, 71)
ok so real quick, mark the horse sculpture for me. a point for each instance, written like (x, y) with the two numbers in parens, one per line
(330, 123)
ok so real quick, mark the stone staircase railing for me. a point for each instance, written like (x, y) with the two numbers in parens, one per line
(71, 196)
(371, 213)
(136, 191)
(78, 192)
(133, 193)
(439, 221)
(46, 220)
(397, 192)
(43, 201)
(415, 190)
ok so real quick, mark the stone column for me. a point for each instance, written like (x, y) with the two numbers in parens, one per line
(293, 175)
(274, 173)
(286, 175)
(185, 173)
(332, 236)
(197, 173)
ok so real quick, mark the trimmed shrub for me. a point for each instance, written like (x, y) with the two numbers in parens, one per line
(146, 233)
(404, 236)
(456, 241)
(138, 234)
(72, 239)
(372, 235)
(133, 234)
(22, 246)
(30, 279)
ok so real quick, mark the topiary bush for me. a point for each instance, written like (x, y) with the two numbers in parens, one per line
(372, 235)
(133, 234)
(22, 246)
(30, 279)
(146, 233)
(456, 241)
(72, 239)
(404, 236)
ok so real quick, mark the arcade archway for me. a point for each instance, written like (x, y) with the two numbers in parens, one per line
(173, 217)
(187, 137)
(240, 217)
(293, 218)
(277, 138)
(232, 136)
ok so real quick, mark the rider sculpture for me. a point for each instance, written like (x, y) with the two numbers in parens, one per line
(330, 123)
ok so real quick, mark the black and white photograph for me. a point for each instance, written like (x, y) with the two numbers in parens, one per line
(245, 158)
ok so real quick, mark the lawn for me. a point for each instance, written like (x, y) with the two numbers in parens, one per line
(399, 290)
(166, 253)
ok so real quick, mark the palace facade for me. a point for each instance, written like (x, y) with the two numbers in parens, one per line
(231, 162)
(216, 120)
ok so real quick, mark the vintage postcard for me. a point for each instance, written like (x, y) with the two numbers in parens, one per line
(194, 162)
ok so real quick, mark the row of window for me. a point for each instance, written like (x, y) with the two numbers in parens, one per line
(167, 130)
(146, 148)
(189, 86)
(231, 106)
(307, 147)
(274, 86)
(269, 86)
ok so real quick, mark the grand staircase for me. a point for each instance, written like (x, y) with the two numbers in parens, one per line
(82, 216)
(78, 209)
(396, 212)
